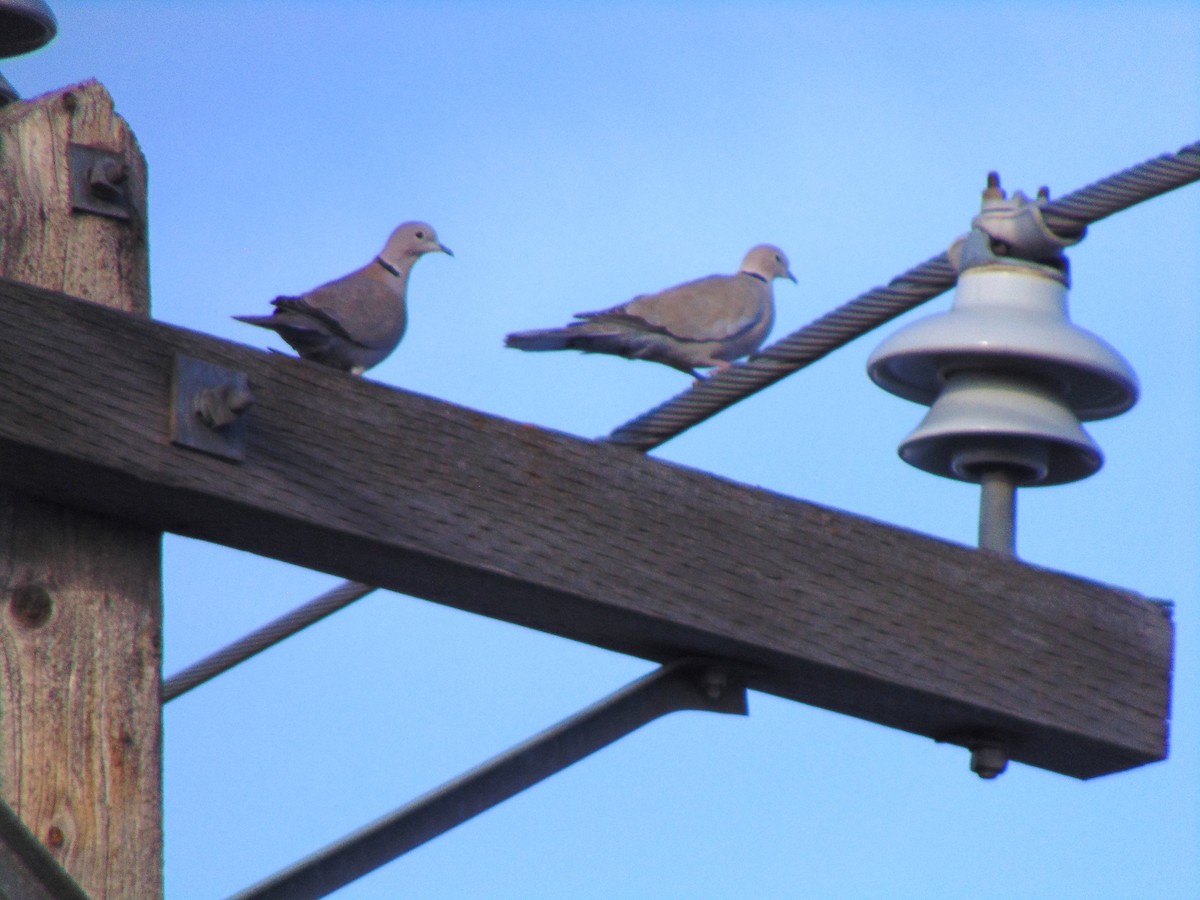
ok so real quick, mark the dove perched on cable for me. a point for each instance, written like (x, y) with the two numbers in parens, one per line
(708, 322)
(354, 322)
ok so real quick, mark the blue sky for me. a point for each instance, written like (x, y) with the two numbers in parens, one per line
(574, 155)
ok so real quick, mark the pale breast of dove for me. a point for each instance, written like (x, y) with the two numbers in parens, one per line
(708, 322)
(354, 322)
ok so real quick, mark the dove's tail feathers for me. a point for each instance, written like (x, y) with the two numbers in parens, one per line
(306, 337)
(590, 337)
(290, 328)
(541, 339)
(260, 321)
(615, 338)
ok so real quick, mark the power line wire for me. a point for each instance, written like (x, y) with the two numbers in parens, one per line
(1068, 216)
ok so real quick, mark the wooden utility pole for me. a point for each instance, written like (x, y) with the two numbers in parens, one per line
(80, 621)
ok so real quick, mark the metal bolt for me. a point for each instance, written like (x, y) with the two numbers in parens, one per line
(105, 177)
(714, 682)
(993, 190)
(988, 758)
(221, 405)
(998, 511)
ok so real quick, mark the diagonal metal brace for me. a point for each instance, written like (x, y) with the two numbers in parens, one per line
(679, 685)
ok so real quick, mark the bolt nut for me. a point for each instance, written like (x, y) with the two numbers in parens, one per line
(105, 177)
(988, 758)
(714, 682)
(222, 405)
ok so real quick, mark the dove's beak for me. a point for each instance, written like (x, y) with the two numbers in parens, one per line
(792, 277)
(445, 249)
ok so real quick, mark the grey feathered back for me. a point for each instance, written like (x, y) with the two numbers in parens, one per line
(707, 322)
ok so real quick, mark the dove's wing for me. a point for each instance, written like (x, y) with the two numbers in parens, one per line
(361, 307)
(716, 308)
(708, 322)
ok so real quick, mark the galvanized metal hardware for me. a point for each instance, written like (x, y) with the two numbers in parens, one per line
(988, 758)
(207, 406)
(99, 182)
(684, 684)
(1016, 228)
(989, 752)
(1006, 375)
(221, 405)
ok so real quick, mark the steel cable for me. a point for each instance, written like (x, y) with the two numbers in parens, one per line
(1069, 216)
(262, 638)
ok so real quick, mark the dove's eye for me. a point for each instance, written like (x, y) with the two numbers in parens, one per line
(420, 235)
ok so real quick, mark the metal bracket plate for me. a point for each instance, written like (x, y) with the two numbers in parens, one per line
(207, 401)
(99, 182)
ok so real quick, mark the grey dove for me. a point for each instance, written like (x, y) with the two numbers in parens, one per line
(708, 322)
(354, 322)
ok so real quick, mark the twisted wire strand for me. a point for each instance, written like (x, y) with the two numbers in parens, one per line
(1124, 189)
(1068, 216)
(260, 639)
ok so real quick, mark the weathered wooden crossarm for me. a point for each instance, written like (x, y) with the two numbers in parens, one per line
(586, 540)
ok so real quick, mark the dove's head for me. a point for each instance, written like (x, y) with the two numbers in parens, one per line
(767, 261)
(410, 240)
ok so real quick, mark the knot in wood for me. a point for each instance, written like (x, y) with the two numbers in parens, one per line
(31, 606)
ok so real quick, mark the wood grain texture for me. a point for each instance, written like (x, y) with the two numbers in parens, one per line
(27, 870)
(586, 540)
(42, 241)
(80, 654)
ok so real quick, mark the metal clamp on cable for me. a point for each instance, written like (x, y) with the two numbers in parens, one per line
(1006, 374)
(1017, 228)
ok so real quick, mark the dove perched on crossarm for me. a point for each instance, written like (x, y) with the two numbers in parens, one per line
(708, 322)
(354, 322)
